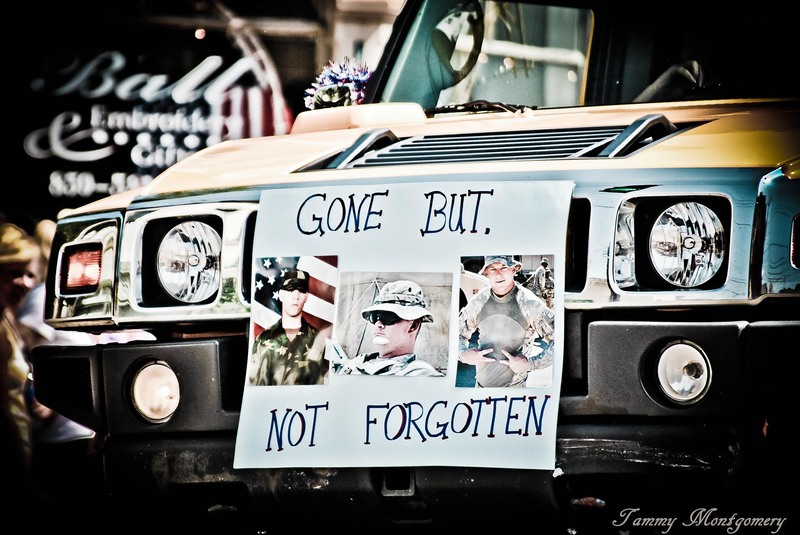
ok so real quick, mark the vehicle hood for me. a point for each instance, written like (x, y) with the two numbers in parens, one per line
(739, 134)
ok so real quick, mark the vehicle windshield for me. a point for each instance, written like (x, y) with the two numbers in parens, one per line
(521, 54)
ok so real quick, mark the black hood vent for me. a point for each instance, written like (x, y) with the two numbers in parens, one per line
(380, 148)
(490, 146)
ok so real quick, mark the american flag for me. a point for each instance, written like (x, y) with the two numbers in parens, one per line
(251, 112)
(254, 109)
(269, 272)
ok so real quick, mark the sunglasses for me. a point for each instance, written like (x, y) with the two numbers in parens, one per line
(387, 318)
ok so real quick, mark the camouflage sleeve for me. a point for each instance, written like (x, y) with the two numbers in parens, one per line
(545, 323)
(468, 320)
(255, 361)
(540, 331)
(317, 365)
(543, 359)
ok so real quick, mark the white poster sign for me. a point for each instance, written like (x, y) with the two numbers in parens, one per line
(406, 324)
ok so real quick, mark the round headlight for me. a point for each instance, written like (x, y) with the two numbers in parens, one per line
(683, 373)
(687, 244)
(155, 392)
(188, 262)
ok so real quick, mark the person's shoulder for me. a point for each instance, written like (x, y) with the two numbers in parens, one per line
(311, 329)
(420, 368)
(363, 357)
(530, 299)
(268, 332)
(524, 292)
(483, 293)
(413, 365)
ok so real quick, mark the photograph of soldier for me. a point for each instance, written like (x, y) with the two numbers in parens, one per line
(505, 331)
(291, 350)
(535, 282)
(396, 320)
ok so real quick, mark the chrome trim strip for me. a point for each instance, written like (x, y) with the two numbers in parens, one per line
(600, 291)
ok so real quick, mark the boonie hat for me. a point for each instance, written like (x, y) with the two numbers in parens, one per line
(403, 298)
(16, 245)
(544, 261)
(295, 280)
(506, 260)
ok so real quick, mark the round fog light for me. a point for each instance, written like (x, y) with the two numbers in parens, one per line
(155, 392)
(683, 373)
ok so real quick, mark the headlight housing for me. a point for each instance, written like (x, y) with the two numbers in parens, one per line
(671, 244)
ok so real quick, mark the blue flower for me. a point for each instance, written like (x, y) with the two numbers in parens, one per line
(339, 84)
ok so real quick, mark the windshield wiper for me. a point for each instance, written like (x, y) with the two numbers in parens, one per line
(476, 106)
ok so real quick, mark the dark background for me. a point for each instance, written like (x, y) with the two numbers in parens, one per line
(155, 37)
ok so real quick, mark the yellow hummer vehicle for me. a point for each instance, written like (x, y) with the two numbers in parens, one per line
(677, 283)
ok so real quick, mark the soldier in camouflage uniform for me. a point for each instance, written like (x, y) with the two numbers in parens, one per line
(505, 331)
(548, 288)
(290, 352)
(535, 282)
(397, 315)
